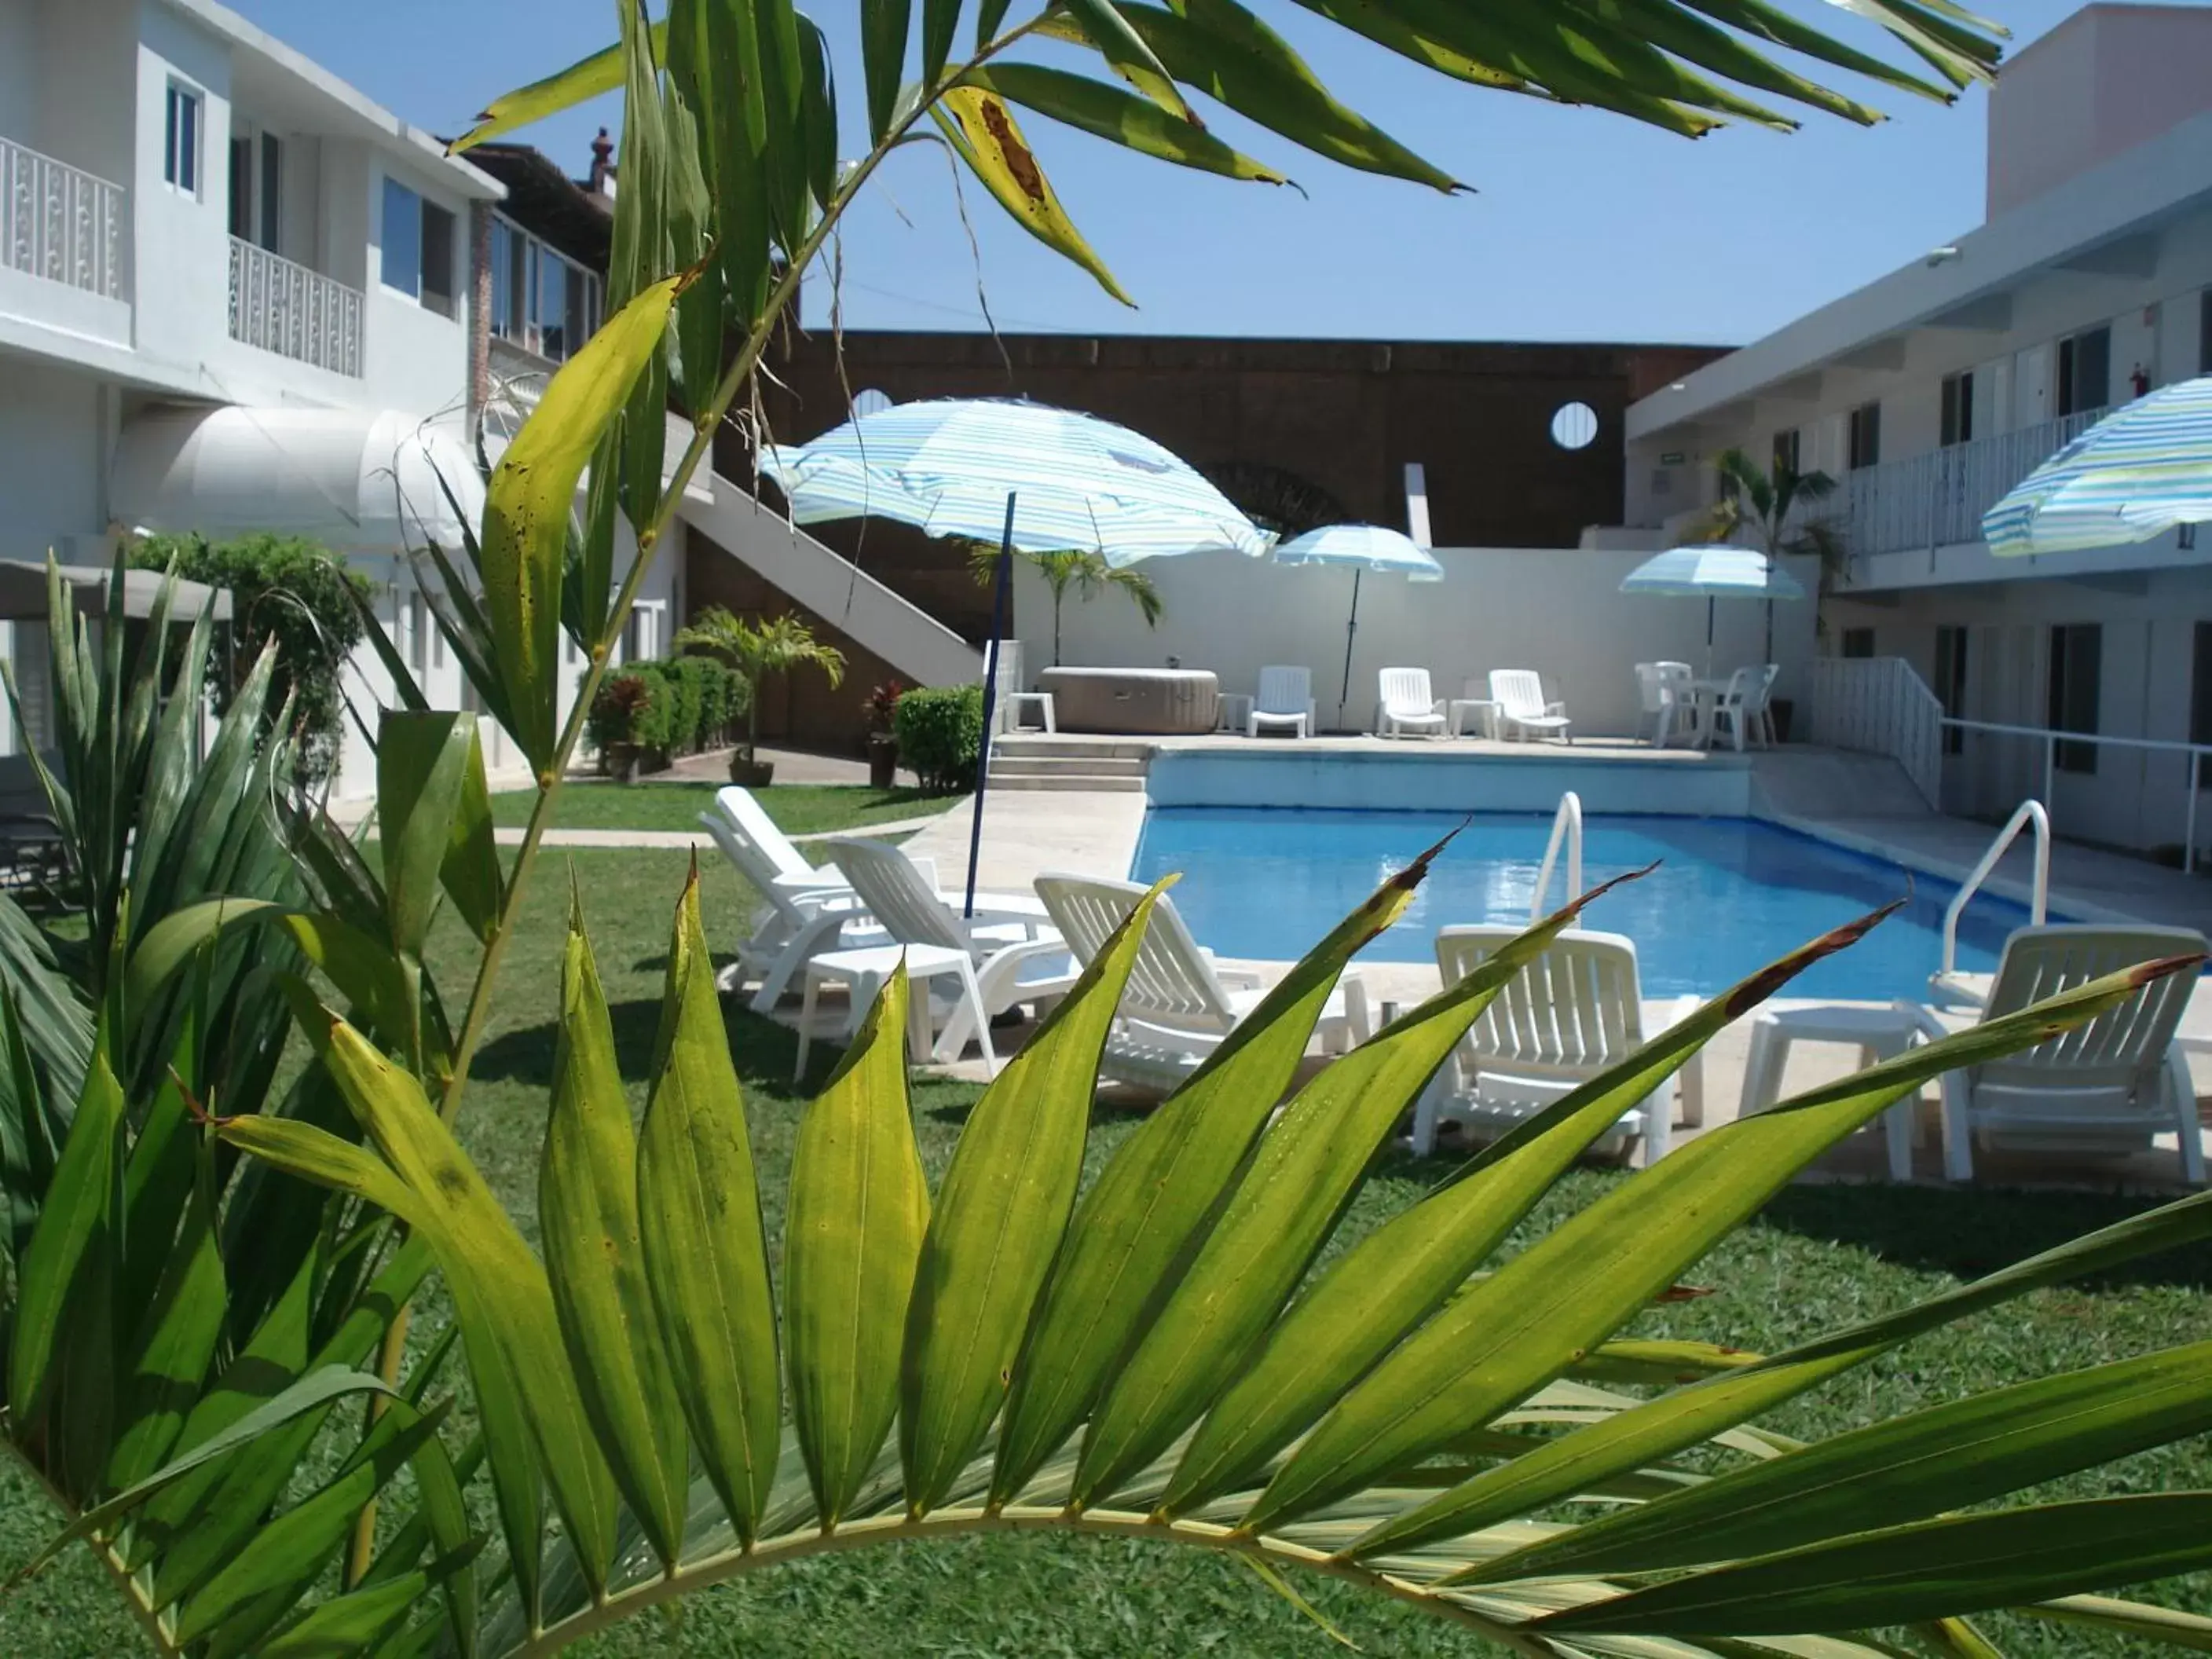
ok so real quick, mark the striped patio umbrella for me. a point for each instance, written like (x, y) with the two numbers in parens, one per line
(2136, 474)
(1364, 547)
(1712, 574)
(1023, 475)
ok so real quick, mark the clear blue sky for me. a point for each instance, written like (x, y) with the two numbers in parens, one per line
(1585, 226)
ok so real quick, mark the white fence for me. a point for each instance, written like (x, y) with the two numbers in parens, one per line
(1937, 500)
(59, 223)
(1879, 706)
(280, 306)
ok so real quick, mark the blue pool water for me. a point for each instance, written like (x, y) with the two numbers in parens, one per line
(1729, 895)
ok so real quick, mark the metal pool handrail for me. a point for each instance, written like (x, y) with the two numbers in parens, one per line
(1566, 822)
(2028, 812)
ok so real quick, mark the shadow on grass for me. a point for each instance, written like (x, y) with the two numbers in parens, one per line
(762, 1050)
(1968, 1232)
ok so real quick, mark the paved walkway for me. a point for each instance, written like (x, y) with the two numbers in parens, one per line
(682, 838)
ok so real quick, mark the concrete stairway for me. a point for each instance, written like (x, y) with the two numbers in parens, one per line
(1115, 765)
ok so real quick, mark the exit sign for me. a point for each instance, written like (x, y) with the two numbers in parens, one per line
(1671, 458)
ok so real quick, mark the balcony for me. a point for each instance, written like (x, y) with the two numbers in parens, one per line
(1937, 500)
(59, 223)
(279, 306)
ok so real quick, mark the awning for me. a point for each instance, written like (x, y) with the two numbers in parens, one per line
(358, 481)
(23, 593)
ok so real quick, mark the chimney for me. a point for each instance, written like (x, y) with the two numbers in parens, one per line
(602, 150)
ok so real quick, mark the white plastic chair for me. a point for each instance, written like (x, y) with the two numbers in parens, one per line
(1018, 959)
(2108, 1086)
(1733, 707)
(1761, 710)
(794, 924)
(1284, 699)
(1407, 706)
(1572, 1012)
(1179, 1004)
(1519, 695)
(1663, 688)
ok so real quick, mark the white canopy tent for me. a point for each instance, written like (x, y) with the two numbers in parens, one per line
(358, 481)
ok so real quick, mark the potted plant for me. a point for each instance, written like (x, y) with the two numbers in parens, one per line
(883, 744)
(611, 726)
(757, 650)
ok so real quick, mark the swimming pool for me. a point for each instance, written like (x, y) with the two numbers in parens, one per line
(1729, 895)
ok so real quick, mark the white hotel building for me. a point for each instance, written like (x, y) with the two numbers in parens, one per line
(234, 294)
(1929, 393)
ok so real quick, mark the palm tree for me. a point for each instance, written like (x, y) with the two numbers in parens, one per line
(1084, 569)
(759, 649)
(1761, 502)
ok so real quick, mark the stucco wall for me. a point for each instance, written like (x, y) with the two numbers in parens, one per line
(1559, 611)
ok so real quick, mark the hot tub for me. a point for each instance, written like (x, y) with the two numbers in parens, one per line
(1144, 701)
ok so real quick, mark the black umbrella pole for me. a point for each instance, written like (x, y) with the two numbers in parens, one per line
(1350, 628)
(1000, 582)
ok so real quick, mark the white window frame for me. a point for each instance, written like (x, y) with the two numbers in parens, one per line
(647, 617)
(176, 157)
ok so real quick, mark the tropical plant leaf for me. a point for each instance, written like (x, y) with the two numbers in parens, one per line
(1931, 1569)
(2169, 1626)
(884, 26)
(181, 1324)
(999, 1218)
(581, 82)
(356, 1621)
(422, 772)
(1573, 1288)
(706, 1254)
(1108, 113)
(528, 500)
(588, 1217)
(1133, 60)
(1141, 1219)
(859, 1205)
(983, 132)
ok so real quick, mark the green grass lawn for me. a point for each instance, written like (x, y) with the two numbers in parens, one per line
(798, 808)
(1819, 1257)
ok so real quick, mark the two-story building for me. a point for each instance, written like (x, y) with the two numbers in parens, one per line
(1927, 394)
(235, 294)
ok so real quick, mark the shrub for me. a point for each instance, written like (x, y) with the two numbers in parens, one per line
(687, 691)
(940, 734)
(290, 588)
(655, 729)
(616, 712)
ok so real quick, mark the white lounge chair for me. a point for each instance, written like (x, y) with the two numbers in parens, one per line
(1519, 695)
(1572, 1012)
(1407, 706)
(1017, 958)
(779, 857)
(1179, 1003)
(794, 923)
(2108, 1086)
(1285, 699)
(1663, 688)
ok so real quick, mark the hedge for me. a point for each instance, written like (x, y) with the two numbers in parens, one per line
(670, 708)
(940, 735)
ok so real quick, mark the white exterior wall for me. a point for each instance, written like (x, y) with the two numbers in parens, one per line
(1559, 610)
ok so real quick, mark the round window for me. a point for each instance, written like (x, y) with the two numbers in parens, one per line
(1574, 426)
(872, 401)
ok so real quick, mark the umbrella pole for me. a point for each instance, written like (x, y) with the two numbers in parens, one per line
(1350, 628)
(1709, 602)
(1000, 582)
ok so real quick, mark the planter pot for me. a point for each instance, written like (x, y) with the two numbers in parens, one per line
(748, 773)
(883, 761)
(619, 761)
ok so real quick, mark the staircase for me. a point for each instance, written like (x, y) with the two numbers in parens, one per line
(1110, 765)
(920, 647)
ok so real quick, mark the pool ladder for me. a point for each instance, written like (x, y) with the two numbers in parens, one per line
(1946, 981)
(1567, 827)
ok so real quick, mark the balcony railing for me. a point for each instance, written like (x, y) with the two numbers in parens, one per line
(1937, 500)
(60, 223)
(280, 306)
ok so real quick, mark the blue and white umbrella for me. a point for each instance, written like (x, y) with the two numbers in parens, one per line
(949, 464)
(1712, 574)
(1023, 475)
(2136, 474)
(1364, 547)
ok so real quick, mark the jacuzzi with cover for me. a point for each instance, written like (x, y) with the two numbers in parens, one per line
(1143, 702)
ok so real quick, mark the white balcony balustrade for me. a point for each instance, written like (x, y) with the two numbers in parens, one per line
(60, 223)
(279, 305)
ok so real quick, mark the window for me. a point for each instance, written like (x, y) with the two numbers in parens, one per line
(1951, 682)
(1958, 423)
(180, 146)
(641, 633)
(241, 187)
(2077, 666)
(506, 321)
(1866, 435)
(2085, 371)
(1785, 452)
(554, 338)
(272, 181)
(418, 248)
(2200, 697)
(1858, 642)
(542, 300)
(256, 189)
(2204, 332)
